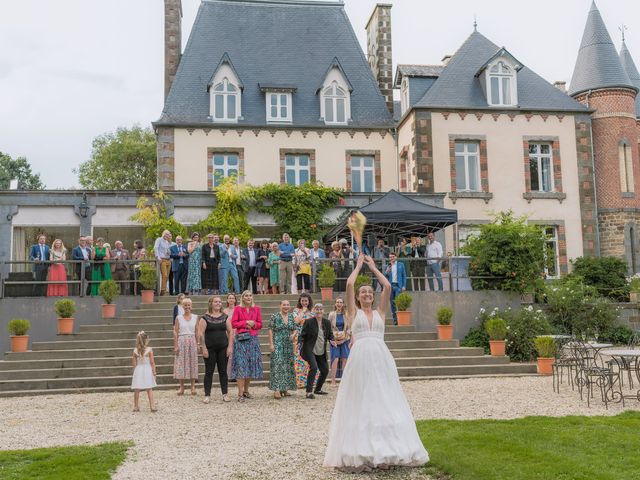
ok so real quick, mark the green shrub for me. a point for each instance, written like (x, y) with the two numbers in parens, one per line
(148, 276)
(403, 302)
(18, 326)
(634, 283)
(477, 337)
(618, 335)
(606, 274)
(360, 281)
(109, 290)
(545, 346)
(496, 328)
(327, 276)
(65, 308)
(523, 327)
(444, 316)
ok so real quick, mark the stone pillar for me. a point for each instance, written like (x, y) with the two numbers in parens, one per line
(379, 50)
(172, 41)
(86, 225)
(7, 212)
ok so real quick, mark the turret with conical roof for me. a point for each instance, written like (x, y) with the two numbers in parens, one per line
(598, 64)
(630, 67)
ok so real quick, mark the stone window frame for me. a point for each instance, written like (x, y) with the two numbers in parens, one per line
(211, 151)
(297, 151)
(377, 168)
(559, 225)
(484, 192)
(556, 160)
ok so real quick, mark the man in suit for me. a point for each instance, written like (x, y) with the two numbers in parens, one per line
(417, 264)
(316, 332)
(211, 268)
(238, 267)
(249, 258)
(179, 266)
(226, 264)
(82, 253)
(398, 279)
(380, 255)
(39, 255)
(119, 266)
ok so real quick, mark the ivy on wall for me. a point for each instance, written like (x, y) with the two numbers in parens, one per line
(152, 214)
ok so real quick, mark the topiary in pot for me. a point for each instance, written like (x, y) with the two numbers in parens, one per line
(18, 328)
(403, 302)
(444, 316)
(546, 348)
(326, 281)
(497, 329)
(360, 281)
(65, 308)
(149, 281)
(108, 290)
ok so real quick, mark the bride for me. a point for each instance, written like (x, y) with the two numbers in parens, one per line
(372, 425)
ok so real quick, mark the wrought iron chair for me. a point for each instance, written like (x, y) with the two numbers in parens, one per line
(565, 360)
(592, 374)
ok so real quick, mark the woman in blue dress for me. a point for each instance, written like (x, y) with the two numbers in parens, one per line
(339, 346)
(194, 279)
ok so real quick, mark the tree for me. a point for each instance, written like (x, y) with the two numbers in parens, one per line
(124, 160)
(19, 169)
(152, 214)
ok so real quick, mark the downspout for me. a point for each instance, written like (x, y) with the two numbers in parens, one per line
(593, 174)
(394, 134)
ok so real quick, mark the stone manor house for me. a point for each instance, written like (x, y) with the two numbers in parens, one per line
(281, 91)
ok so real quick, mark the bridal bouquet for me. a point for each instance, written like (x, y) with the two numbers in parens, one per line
(356, 223)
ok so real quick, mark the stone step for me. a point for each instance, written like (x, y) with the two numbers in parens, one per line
(256, 298)
(166, 325)
(164, 365)
(125, 380)
(130, 342)
(143, 320)
(159, 335)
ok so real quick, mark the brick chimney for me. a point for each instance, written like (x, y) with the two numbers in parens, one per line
(561, 85)
(172, 41)
(379, 50)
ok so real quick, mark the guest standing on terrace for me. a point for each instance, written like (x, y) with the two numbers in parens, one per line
(185, 347)
(119, 266)
(247, 357)
(39, 255)
(262, 272)
(196, 266)
(139, 253)
(302, 264)
(211, 267)
(282, 330)
(81, 254)
(286, 264)
(179, 266)
(434, 257)
(100, 270)
(162, 251)
(214, 337)
(57, 270)
(274, 267)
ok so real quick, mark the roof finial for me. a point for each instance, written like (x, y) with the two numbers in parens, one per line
(475, 23)
(623, 28)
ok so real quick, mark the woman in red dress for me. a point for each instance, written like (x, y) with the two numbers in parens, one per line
(57, 271)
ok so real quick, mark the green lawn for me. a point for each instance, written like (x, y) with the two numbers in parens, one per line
(534, 448)
(68, 463)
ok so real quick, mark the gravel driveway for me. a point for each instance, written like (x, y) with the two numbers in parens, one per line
(262, 438)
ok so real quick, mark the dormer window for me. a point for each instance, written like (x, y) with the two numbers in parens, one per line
(226, 101)
(278, 107)
(501, 79)
(335, 104)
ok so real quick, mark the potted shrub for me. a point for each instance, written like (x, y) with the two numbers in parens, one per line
(445, 329)
(149, 280)
(18, 328)
(403, 302)
(326, 280)
(546, 348)
(360, 281)
(497, 329)
(109, 290)
(65, 308)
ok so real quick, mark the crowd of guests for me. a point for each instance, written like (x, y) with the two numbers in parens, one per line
(210, 266)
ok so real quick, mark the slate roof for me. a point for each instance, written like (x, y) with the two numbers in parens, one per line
(598, 64)
(459, 87)
(273, 42)
(404, 70)
(630, 67)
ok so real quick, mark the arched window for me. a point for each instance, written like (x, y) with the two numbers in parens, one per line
(334, 101)
(226, 101)
(501, 84)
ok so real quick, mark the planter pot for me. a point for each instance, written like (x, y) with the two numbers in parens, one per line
(326, 293)
(634, 297)
(19, 343)
(404, 318)
(544, 365)
(445, 332)
(498, 347)
(65, 326)
(147, 296)
(108, 310)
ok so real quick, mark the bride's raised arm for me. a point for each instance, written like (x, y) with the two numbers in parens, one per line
(351, 309)
(383, 305)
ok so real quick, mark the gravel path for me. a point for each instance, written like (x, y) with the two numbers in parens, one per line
(262, 438)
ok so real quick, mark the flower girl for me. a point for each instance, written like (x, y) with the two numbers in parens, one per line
(144, 373)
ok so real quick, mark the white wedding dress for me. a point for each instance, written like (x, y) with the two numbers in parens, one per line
(371, 423)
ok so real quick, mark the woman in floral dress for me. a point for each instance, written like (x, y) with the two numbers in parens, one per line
(282, 328)
(302, 313)
(194, 274)
(273, 260)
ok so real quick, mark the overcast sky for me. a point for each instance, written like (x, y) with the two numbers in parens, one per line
(73, 69)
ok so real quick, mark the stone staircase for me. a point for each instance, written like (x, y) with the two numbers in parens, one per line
(98, 357)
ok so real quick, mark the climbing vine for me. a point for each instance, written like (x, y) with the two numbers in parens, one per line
(153, 215)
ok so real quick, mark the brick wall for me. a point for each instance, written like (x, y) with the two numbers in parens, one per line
(379, 49)
(612, 230)
(172, 41)
(422, 142)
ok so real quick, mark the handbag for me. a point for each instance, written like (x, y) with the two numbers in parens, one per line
(305, 269)
(243, 337)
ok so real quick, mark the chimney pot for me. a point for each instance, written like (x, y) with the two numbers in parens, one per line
(560, 85)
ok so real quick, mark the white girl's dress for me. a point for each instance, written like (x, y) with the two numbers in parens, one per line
(372, 423)
(143, 378)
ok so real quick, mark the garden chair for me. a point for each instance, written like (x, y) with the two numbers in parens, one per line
(591, 374)
(565, 360)
(628, 364)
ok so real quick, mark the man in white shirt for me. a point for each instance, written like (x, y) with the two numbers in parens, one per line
(249, 266)
(162, 252)
(397, 277)
(434, 256)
